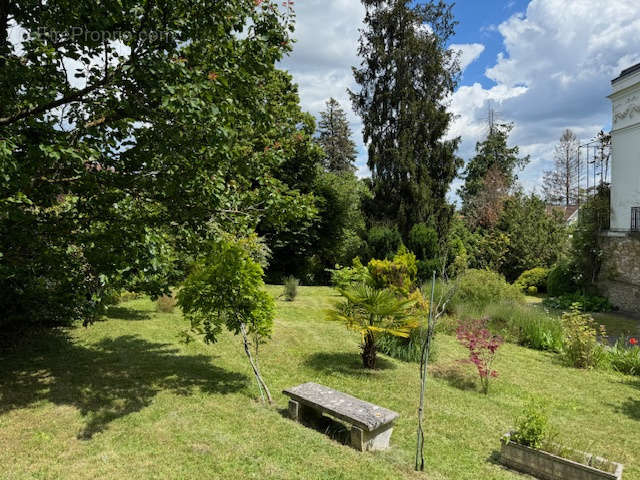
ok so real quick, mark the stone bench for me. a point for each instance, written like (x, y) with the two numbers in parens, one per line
(371, 425)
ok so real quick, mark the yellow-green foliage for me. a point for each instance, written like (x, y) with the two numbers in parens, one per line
(480, 288)
(399, 273)
(536, 277)
(581, 348)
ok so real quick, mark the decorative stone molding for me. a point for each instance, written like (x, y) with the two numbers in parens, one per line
(630, 112)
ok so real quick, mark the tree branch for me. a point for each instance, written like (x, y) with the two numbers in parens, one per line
(77, 95)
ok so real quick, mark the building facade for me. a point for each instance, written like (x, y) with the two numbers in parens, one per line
(620, 273)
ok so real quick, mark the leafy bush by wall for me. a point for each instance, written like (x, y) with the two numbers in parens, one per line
(561, 280)
(586, 303)
(536, 277)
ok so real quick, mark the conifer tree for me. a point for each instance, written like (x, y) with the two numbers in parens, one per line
(406, 75)
(492, 155)
(335, 139)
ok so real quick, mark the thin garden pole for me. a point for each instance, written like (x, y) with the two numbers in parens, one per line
(424, 361)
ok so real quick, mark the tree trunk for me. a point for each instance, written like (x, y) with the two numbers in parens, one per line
(262, 386)
(424, 363)
(369, 351)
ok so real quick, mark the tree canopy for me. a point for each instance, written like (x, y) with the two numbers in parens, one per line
(130, 134)
(406, 75)
(494, 160)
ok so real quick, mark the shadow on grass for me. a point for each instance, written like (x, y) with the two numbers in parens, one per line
(106, 380)
(124, 313)
(325, 425)
(631, 408)
(494, 458)
(455, 374)
(344, 362)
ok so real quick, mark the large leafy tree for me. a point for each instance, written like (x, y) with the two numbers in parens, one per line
(494, 159)
(406, 75)
(334, 135)
(130, 133)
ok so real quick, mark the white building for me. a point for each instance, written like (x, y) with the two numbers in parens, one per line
(625, 140)
(620, 273)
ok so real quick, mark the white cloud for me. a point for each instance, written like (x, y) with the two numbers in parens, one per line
(559, 57)
(554, 74)
(469, 53)
(325, 50)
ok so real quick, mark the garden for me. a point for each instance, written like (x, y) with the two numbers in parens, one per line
(124, 399)
(180, 242)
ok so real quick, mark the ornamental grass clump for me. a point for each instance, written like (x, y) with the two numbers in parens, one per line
(624, 356)
(291, 284)
(483, 347)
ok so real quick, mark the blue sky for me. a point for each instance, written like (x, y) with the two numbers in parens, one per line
(545, 65)
(478, 21)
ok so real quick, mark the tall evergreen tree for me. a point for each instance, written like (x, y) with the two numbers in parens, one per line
(335, 139)
(492, 154)
(405, 77)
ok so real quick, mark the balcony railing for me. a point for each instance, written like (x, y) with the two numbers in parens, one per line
(635, 219)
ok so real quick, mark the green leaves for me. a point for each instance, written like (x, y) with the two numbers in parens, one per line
(226, 289)
(119, 160)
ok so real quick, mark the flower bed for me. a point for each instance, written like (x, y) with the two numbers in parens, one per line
(548, 466)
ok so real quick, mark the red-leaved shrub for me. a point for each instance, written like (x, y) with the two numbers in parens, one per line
(483, 346)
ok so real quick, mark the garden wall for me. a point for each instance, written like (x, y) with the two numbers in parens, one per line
(620, 273)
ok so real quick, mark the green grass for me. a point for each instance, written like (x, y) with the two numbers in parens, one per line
(124, 399)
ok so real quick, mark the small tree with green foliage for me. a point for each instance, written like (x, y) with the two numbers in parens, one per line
(226, 289)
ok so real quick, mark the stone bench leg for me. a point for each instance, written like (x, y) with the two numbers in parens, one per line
(303, 413)
(376, 440)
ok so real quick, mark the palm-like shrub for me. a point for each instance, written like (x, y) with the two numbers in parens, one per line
(373, 312)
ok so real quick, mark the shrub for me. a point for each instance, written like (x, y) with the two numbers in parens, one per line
(126, 296)
(427, 267)
(407, 349)
(399, 273)
(166, 304)
(344, 277)
(581, 348)
(586, 303)
(561, 280)
(532, 426)
(290, 288)
(383, 242)
(526, 325)
(226, 289)
(624, 356)
(479, 288)
(536, 278)
(423, 241)
(483, 347)
(532, 290)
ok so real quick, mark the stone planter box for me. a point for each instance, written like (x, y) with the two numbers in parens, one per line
(547, 466)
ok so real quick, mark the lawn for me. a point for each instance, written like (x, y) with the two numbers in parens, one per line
(125, 399)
